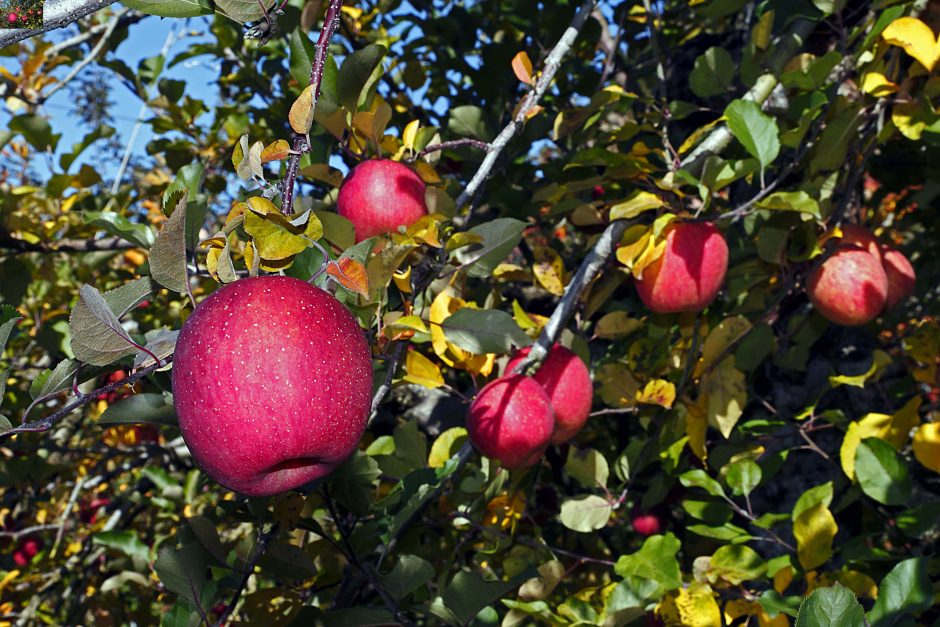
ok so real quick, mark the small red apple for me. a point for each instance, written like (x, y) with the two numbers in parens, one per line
(26, 551)
(11, 18)
(850, 287)
(690, 272)
(272, 382)
(88, 512)
(380, 195)
(511, 420)
(900, 274)
(647, 524)
(568, 384)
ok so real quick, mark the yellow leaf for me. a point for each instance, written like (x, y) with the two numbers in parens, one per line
(549, 270)
(421, 370)
(910, 119)
(406, 326)
(350, 274)
(726, 389)
(870, 426)
(903, 422)
(728, 331)
(878, 85)
(697, 606)
(618, 386)
(409, 134)
(859, 583)
(635, 204)
(880, 360)
(782, 578)
(275, 151)
(926, 444)
(696, 424)
(445, 446)
(692, 139)
(814, 530)
(503, 511)
(274, 235)
(301, 112)
(616, 325)
(657, 392)
(443, 305)
(522, 67)
(763, 30)
(915, 38)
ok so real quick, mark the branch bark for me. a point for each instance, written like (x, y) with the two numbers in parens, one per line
(57, 14)
(12, 245)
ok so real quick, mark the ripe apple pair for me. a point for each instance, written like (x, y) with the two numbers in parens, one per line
(860, 279)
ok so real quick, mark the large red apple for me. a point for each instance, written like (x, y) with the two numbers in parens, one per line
(568, 384)
(850, 287)
(900, 275)
(380, 195)
(272, 382)
(690, 272)
(511, 420)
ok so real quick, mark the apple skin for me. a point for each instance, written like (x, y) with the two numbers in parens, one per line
(857, 235)
(568, 384)
(690, 272)
(380, 195)
(900, 274)
(511, 420)
(647, 524)
(850, 287)
(272, 382)
(26, 551)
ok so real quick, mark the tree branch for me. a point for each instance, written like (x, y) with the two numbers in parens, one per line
(528, 104)
(299, 146)
(56, 14)
(17, 246)
(256, 554)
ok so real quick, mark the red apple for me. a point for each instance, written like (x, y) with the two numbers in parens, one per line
(26, 551)
(380, 195)
(11, 18)
(850, 287)
(511, 420)
(568, 384)
(900, 275)
(272, 382)
(647, 524)
(690, 272)
(857, 235)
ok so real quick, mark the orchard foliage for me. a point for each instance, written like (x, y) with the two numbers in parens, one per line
(752, 463)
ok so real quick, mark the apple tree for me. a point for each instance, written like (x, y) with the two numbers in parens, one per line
(484, 313)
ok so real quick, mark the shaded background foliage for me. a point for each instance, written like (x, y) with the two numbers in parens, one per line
(740, 430)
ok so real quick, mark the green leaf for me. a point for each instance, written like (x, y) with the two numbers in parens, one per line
(881, 472)
(243, 11)
(127, 542)
(160, 342)
(655, 560)
(587, 466)
(208, 536)
(120, 226)
(352, 482)
(792, 201)
(819, 494)
(904, 590)
(122, 299)
(168, 254)
(756, 130)
(288, 561)
(499, 237)
(712, 74)
(97, 335)
(468, 593)
(410, 573)
(356, 74)
(55, 380)
(585, 513)
(735, 563)
(8, 318)
(483, 331)
(148, 407)
(774, 604)
(182, 570)
(469, 121)
(699, 478)
(831, 607)
(743, 476)
(833, 144)
(302, 52)
(171, 8)
(36, 130)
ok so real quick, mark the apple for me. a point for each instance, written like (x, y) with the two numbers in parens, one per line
(568, 384)
(26, 551)
(272, 383)
(647, 524)
(900, 275)
(511, 420)
(690, 271)
(11, 18)
(380, 195)
(850, 287)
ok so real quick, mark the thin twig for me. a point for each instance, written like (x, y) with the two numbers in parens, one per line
(56, 14)
(454, 143)
(249, 569)
(11, 245)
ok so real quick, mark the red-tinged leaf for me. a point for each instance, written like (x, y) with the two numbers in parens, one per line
(522, 67)
(350, 274)
(275, 151)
